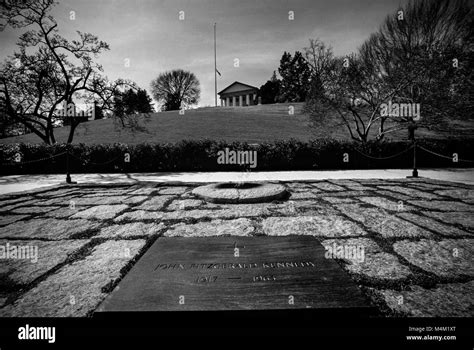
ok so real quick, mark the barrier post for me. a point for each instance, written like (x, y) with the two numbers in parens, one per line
(411, 136)
(415, 170)
(68, 175)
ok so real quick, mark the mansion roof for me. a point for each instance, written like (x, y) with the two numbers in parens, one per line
(237, 86)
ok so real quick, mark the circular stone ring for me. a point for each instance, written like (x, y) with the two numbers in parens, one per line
(247, 192)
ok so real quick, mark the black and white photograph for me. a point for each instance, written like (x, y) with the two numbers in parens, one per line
(224, 167)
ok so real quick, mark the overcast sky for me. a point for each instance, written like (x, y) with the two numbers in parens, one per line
(150, 34)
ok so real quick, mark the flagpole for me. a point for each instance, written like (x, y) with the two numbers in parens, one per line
(215, 66)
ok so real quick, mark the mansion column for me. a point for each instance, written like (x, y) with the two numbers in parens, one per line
(227, 102)
(241, 102)
(233, 101)
(247, 99)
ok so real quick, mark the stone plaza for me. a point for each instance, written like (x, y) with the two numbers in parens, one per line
(416, 236)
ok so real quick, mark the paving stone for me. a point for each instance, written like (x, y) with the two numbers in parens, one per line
(352, 185)
(304, 195)
(337, 200)
(187, 195)
(104, 194)
(343, 182)
(318, 210)
(309, 203)
(185, 204)
(62, 213)
(437, 182)
(410, 192)
(299, 187)
(36, 257)
(387, 204)
(374, 182)
(234, 211)
(81, 281)
(8, 219)
(89, 201)
(313, 207)
(325, 226)
(52, 229)
(238, 227)
(9, 208)
(99, 192)
(6, 201)
(404, 181)
(397, 196)
(58, 192)
(358, 187)
(426, 186)
(465, 219)
(134, 199)
(139, 215)
(61, 201)
(101, 212)
(172, 190)
(241, 210)
(346, 194)
(145, 191)
(461, 194)
(289, 207)
(445, 300)
(385, 224)
(33, 210)
(326, 186)
(364, 257)
(443, 205)
(154, 203)
(446, 258)
(433, 225)
(130, 230)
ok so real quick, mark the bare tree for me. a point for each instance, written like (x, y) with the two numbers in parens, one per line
(320, 58)
(355, 94)
(410, 59)
(48, 70)
(176, 89)
(430, 44)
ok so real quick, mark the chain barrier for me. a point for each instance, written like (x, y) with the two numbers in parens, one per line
(383, 158)
(57, 155)
(443, 156)
(34, 161)
(360, 152)
(93, 163)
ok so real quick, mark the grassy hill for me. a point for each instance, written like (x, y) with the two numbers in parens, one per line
(252, 124)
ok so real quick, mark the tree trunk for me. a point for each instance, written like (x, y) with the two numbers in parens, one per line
(74, 124)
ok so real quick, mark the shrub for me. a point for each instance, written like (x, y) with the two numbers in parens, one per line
(322, 154)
